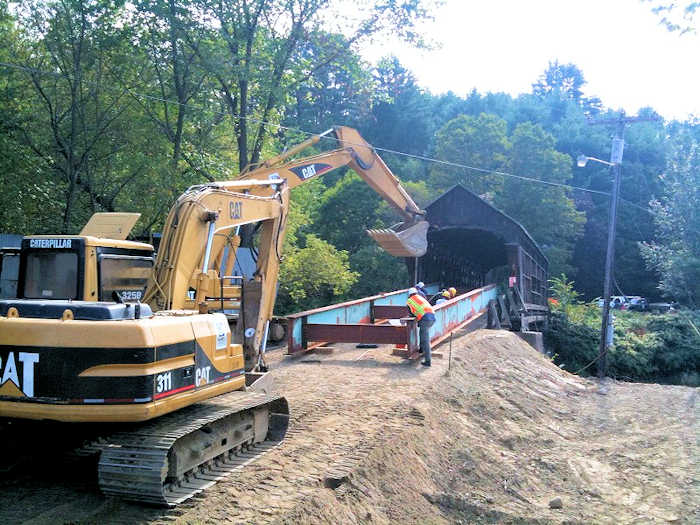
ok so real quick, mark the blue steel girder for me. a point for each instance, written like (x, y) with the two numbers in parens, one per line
(353, 321)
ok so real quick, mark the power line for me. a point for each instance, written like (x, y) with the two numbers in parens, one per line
(308, 133)
(653, 213)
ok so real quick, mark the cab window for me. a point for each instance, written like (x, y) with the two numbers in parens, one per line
(51, 275)
(124, 274)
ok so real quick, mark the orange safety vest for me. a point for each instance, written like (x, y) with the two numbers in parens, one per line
(419, 306)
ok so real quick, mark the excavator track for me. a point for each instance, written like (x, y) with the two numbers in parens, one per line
(175, 457)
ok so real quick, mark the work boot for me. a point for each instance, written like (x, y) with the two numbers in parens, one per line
(424, 363)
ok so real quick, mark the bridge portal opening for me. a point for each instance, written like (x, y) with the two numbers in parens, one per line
(465, 258)
(472, 244)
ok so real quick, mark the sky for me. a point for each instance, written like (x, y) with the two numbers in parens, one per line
(627, 58)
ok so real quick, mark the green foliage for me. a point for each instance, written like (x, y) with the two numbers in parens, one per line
(679, 357)
(659, 348)
(563, 80)
(574, 345)
(378, 271)
(546, 211)
(472, 141)
(125, 105)
(399, 105)
(676, 16)
(313, 276)
(675, 254)
(347, 210)
(563, 294)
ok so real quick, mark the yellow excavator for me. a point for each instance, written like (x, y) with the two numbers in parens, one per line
(172, 348)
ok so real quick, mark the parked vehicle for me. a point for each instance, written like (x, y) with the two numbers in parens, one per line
(639, 304)
(660, 308)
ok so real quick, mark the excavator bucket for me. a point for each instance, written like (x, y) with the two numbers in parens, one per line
(411, 241)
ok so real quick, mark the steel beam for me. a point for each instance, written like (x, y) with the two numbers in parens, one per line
(359, 311)
(357, 333)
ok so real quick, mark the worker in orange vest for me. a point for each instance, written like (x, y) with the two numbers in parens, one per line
(420, 308)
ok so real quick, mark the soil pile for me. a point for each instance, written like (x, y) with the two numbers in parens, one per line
(505, 435)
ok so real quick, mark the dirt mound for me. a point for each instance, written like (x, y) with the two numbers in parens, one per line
(504, 433)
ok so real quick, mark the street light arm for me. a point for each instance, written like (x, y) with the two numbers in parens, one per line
(582, 160)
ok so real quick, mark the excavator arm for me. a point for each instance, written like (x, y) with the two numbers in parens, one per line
(408, 239)
(353, 152)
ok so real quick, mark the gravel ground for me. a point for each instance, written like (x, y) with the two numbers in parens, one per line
(376, 439)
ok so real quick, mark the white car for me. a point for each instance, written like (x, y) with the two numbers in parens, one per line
(619, 302)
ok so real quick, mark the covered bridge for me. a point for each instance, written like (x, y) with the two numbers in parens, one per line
(471, 244)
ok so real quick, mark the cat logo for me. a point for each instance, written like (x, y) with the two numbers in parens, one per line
(310, 170)
(235, 209)
(10, 384)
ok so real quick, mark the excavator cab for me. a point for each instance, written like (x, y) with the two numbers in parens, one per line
(83, 268)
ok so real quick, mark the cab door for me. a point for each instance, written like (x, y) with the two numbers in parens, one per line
(9, 272)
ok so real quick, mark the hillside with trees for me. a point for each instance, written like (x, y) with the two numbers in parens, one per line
(119, 106)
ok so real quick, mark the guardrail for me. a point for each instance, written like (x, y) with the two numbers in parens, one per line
(382, 319)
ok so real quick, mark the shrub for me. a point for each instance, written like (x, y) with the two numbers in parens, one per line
(662, 348)
(574, 345)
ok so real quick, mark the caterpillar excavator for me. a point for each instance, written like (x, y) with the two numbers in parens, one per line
(169, 351)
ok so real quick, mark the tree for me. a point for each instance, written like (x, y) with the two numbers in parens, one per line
(69, 49)
(675, 254)
(399, 105)
(313, 276)
(562, 82)
(676, 16)
(338, 93)
(378, 272)
(164, 28)
(563, 79)
(480, 142)
(346, 211)
(546, 211)
(257, 54)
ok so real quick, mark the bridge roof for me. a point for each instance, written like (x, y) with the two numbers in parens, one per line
(460, 208)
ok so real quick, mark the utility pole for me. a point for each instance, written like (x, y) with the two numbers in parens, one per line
(618, 145)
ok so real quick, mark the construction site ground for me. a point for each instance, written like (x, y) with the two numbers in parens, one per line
(499, 438)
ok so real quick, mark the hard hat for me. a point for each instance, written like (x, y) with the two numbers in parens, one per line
(446, 293)
(420, 285)
(453, 291)
(412, 291)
